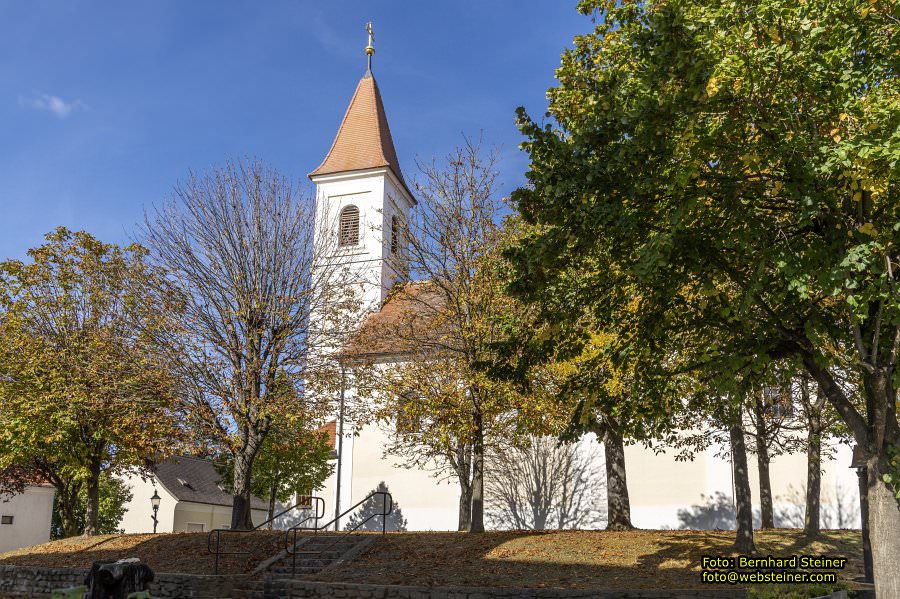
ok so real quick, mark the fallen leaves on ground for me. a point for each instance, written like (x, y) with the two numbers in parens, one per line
(184, 552)
(635, 559)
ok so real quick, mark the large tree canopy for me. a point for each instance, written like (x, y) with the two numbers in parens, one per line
(735, 165)
(81, 390)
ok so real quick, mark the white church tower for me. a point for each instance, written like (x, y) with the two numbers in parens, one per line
(362, 200)
(362, 207)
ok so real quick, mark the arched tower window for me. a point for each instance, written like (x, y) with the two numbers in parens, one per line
(349, 226)
(395, 235)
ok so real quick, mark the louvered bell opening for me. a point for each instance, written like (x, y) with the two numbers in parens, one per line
(394, 235)
(349, 228)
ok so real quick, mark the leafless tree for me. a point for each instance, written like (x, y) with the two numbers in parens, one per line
(544, 484)
(818, 418)
(841, 512)
(768, 422)
(251, 275)
(447, 326)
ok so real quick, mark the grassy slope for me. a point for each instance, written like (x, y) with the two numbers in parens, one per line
(573, 559)
(577, 559)
(176, 552)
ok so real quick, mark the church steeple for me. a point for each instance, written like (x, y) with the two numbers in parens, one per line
(363, 140)
(362, 201)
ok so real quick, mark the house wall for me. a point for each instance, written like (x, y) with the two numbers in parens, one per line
(210, 516)
(32, 512)
(173, 515)
(328, 492)
(137, 518)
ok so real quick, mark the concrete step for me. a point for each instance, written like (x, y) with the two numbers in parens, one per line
(317, 553)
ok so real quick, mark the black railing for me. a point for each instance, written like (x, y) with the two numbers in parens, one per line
(217, 532)
(387, 506)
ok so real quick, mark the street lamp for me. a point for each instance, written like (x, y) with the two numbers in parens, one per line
(154, 501)
(859, 462)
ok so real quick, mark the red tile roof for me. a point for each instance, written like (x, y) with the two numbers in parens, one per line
(363, 140)
(409, 321)
(330, 429)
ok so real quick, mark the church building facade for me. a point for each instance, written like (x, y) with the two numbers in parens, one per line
(363, 201)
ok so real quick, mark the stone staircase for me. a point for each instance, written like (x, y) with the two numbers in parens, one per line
(317, 552)
(314, 554)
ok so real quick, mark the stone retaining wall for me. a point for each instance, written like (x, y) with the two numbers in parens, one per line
(298, 589)
(26, 581)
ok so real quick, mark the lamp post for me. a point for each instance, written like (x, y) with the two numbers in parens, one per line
(340, 451)
(154, 501)
(859, 462)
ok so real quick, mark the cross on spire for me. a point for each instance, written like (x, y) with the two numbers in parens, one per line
(370, 49)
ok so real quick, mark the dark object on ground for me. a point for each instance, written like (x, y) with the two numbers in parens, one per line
(115, 580)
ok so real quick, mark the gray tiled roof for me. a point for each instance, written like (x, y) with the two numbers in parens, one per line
(195, 479)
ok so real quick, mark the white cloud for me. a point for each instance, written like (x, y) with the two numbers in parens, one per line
(52, 103)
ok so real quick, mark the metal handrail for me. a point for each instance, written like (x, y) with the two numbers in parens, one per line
(218, 531)
(291, 548)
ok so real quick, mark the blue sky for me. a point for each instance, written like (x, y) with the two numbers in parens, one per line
(105, 105)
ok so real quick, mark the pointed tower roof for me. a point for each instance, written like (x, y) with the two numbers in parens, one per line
(363, 140)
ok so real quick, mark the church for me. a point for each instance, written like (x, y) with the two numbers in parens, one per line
(362, 200)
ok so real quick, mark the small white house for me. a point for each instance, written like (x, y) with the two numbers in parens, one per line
(192, 499)
(25, 518)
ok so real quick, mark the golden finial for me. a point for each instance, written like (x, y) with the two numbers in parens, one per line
(370, 49)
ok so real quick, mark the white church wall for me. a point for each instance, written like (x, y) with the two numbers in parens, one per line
(369, 262)
(659, 486)
(426, 502)
(398, 204)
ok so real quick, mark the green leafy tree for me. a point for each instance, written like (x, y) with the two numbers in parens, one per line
(560, 344)
(114, 493)
(294, 458)
(81, 391)
(736, 164)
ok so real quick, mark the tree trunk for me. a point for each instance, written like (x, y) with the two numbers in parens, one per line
(743, 542)
(477, 523)
(618, 504)
(241, 516)
(465, 505)
(463, 463)
(873, 433)
(765, 490)
(811, 523)
(67, 505)
(93, 500)
(767, 513)
(862, 475)
(884, 530)
(884, 507)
